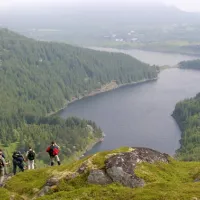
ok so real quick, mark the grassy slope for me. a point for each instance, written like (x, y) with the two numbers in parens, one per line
(164, 182)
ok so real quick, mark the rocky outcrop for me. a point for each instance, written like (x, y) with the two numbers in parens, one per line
(120, 167)
(43, 191)
(197, 180)
(71, 176)
(52, 181)
(97, 176)
(118, 175)
(83, 168)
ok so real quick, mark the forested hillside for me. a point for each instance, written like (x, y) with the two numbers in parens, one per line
(73, 135)
(191, 64)
(37, 78)
(187, 115)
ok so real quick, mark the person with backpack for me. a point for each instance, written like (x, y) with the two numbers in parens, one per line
(53, 151)
(18, 161)
(30, 157)
(2, 168)
(3, 155)
(1, 152)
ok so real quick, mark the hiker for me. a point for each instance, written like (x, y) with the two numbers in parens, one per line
(30, 157)
(3, 155)
(1, 152)
(2, 168)
(53, 151)
(18, 161)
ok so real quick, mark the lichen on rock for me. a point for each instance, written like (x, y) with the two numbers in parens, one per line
(160, 177)
(120, 167)
(97, 176)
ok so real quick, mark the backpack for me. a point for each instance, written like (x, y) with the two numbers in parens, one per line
(3, 155)
(1, 163)
(53, 150)
(17, 156)
(31, 155)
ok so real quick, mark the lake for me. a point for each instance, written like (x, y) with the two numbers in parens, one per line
(139, 115)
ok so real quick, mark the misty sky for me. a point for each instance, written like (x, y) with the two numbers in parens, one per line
(188, 5)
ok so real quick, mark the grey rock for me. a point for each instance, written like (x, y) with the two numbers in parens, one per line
(44, 191)
(130, 180)
(82, 169)
(52, 181)
(197, 180)
(71, 176)
(120, 168)
(97, 176)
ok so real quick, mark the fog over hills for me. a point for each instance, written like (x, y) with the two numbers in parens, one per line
(91, 19)
(59, 14)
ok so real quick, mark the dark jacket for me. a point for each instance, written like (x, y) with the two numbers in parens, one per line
(18, 157)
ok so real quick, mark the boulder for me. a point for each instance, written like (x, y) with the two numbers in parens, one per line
(82, 169)
(97, 176)
(52, 181)
(197, 180)
(120, 176)
(120, 168)
(50, 184)
(71, 176)
(44, 191)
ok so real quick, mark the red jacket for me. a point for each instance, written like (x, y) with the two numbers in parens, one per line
(52, 150)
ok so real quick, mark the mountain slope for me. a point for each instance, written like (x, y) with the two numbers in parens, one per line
(38, 77)
(163, 180)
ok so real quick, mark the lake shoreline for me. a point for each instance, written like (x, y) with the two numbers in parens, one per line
(100, 92)
(148, 50)
(171, 52)
(98, 140)
(90, 147)
(118, 86)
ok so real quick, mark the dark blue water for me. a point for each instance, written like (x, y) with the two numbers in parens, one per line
(140, 115)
